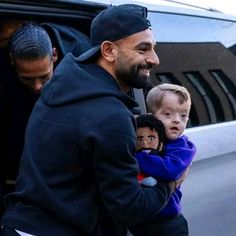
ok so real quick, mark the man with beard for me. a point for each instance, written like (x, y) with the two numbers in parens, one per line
(78, 163)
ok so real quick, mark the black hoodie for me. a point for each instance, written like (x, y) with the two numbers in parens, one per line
(16, 101)
(67, 39)
(79, 158)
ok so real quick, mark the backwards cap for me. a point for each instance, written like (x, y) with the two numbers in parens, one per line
(114, 23)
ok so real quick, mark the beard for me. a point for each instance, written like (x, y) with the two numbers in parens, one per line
(132, 76)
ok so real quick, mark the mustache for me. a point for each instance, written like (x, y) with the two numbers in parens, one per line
(145, 66)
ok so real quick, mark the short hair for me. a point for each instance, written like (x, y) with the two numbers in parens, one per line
(155, 95)
(150, 121)
(30, 41)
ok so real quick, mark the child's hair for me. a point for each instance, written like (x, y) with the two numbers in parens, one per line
(156, 94)
(150, 121)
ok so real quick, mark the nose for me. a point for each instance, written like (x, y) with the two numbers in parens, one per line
(176, 118)
(37, 86)
(153, 58)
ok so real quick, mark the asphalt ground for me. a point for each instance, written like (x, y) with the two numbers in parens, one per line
(209, 196)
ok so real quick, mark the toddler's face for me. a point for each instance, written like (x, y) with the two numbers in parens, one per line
(174, 114)
(147, 138)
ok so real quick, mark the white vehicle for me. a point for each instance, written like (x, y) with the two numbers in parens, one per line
(196, 47)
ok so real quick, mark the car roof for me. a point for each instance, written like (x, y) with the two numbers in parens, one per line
(172, 7)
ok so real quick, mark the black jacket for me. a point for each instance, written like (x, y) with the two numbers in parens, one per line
(66, 39)
(16, 101)
(79, 158)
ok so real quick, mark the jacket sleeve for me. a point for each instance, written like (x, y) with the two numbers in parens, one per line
(177, 157)
(116, 173)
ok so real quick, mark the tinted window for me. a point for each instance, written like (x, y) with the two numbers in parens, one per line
(198, 53)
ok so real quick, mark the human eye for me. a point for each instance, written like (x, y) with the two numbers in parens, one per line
(184, 116)
(25, 79)
(168, 114)
(142, 48)
(44, 78)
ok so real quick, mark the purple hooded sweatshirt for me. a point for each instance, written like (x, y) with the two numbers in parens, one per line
(178, 155)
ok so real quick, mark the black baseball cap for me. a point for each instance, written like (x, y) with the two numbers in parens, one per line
(114, 23)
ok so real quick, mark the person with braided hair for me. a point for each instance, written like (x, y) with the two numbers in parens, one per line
(32, 57)
(33, 52)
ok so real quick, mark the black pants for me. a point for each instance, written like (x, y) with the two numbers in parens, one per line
(171, 226)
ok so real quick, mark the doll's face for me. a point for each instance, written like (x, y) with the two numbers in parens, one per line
(147, 138)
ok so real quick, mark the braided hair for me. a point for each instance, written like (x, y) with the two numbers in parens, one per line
(30, 41)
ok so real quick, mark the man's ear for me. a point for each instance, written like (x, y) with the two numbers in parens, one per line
(109, 51)
(54, 55)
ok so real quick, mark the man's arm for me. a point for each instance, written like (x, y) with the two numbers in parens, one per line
(116, 173)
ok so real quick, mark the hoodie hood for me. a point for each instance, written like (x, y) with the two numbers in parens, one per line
(73, 82)
(67, 39)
